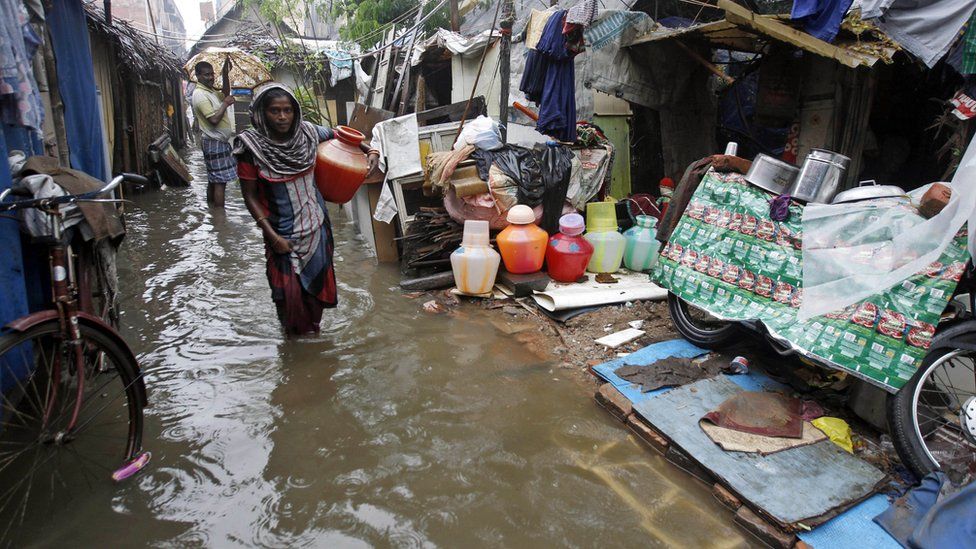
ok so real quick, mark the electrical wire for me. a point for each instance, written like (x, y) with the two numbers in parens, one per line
(406, 32)
(222, 37)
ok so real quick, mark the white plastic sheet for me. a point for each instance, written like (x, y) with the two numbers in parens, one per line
(854, 251)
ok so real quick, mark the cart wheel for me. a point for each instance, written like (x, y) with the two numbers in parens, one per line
(933, 417)
(700, 328)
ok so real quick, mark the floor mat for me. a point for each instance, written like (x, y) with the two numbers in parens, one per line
(825, 475)
(760, 413)
(737, 441)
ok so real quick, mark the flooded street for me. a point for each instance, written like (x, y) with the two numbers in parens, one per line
(393, 428)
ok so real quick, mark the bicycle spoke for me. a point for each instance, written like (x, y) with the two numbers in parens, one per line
(82, 459)
(41, 461)
(84, 470)
(124, 390)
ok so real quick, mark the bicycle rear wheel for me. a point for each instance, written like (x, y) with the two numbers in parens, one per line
(43, 462)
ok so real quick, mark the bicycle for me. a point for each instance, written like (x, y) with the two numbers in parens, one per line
(71, 390)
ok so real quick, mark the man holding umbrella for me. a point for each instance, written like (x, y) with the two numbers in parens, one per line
(211, 109)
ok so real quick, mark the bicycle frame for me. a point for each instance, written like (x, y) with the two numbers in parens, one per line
(70, 316)
(66, 305)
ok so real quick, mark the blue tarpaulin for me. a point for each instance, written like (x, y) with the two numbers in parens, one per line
(13, 297)
(76, 81)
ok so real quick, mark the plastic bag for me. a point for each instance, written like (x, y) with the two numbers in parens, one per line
(837, 430)
(854, 251)
(482, 132)
(557, 164)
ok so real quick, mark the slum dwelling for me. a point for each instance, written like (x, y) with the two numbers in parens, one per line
(140, 82)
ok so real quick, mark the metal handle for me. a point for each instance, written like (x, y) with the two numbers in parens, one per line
(867, 182)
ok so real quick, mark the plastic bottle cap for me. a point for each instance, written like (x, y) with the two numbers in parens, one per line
(521, 215)
(571, 224)
(475, 233)
(601, 216)
(647, 221)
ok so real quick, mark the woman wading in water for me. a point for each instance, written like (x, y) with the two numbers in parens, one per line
(275, 161)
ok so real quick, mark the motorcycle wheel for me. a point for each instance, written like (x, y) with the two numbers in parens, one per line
(699, 327)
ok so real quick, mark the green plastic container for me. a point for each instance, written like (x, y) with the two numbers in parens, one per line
(642, 245)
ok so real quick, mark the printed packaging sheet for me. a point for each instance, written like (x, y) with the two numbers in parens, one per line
(727, 257)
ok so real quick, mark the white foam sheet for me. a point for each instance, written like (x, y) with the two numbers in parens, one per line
(630, 287)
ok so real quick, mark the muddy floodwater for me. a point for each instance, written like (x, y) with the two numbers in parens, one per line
(393, 428)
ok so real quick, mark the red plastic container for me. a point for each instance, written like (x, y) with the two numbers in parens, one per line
(568, 252)
(340, 165)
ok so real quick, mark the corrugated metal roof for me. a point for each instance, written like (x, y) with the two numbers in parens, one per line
(744, 30)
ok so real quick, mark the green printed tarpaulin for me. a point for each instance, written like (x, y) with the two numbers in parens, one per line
(728, 258)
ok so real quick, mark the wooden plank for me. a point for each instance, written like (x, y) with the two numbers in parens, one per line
(829, 478)
(617, 130)
(771, 27)
(453, 112)
(384, 234)
(364, 118)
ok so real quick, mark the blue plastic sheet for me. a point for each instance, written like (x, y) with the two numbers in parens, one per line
(853, 528)
(821, 18)
(13, 300)
(679, 348)
(76, 81)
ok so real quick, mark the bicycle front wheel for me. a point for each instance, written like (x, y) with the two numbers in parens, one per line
(63, 428)
(933, 417)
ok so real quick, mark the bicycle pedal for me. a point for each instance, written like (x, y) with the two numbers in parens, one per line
(132, 467)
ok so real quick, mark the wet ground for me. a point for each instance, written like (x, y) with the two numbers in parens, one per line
(393, 428)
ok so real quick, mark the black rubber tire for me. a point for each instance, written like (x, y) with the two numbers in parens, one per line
(900, 421)
(725, 335)
(17, 402)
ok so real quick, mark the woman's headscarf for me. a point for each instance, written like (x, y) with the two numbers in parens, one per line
(293, 156)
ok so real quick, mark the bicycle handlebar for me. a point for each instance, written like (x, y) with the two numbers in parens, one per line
(69, 198)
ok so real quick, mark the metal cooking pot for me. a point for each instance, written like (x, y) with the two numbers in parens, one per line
(771, 174)
(868, 190)
(820, 176)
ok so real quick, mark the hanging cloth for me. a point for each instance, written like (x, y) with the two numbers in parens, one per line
(557, 107)
(820, 18)
(925, 28)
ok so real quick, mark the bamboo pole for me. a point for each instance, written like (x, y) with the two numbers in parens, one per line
(405, 72)
(505, 65)
(455, 16)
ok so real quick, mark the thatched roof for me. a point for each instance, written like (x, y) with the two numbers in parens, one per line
(137, 51)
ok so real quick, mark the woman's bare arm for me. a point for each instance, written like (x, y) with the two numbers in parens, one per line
(249, 188)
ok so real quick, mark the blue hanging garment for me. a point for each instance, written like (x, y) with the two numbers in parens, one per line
(557, 107)
(821, 18)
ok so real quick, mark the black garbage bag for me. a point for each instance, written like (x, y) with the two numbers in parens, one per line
(519, 163)
(557, 165)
